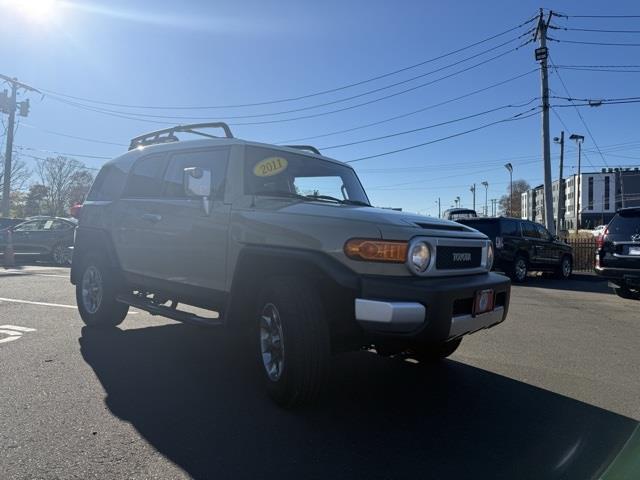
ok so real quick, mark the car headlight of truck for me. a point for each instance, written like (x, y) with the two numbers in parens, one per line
(490, 255)
(419, 257)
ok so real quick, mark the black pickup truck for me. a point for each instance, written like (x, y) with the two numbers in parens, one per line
(618, 254)
(522, 246)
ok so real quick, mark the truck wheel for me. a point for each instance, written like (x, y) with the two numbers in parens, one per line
(96, 294)
(293, 346)
(564, 270)
(625, 292)
(432, 353)
(519, 268)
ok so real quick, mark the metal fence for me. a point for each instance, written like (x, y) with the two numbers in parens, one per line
(584, 253)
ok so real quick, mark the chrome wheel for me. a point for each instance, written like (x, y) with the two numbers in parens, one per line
(520, 269)
(271, 342)
(92, 289)
(566, 268)
(60, 256)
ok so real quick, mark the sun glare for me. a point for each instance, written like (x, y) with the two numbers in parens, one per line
(37, 11)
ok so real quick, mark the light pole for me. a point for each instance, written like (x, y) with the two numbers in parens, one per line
(576, 188)
(457, 201)
(485, 184)
(473, 191)
(439, 208)
(509, 167)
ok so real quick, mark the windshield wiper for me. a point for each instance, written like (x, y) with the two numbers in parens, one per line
(280, 193)
(335, 199)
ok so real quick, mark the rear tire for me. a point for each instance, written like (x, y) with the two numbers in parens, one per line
(565, 269)
(433, 353)
(61, 256)
(96, 292)
(293, 341)
(625, 292)
(519, 269)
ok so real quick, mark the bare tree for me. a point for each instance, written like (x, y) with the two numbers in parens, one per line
(20, 174)
(65, 180)
(519, 187)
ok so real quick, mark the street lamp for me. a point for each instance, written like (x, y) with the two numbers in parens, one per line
(485, 184)
(457, 201)
(509, 167)
(576, 188)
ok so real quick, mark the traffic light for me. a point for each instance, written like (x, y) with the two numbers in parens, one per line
(24, 108)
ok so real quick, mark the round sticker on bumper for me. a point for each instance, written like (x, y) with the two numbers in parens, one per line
(270, 166)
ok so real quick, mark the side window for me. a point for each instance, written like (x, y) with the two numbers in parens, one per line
(543, 232)
(214, 160)
(108, 184)
(145, 179)
(59, 225)
(529, 230)
(29, 226)
(510, 228)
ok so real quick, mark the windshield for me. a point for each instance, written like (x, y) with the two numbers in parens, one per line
(271, 171)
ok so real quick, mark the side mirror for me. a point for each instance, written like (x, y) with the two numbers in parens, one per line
(197, 182)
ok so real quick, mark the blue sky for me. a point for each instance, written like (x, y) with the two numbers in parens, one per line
(208, 53)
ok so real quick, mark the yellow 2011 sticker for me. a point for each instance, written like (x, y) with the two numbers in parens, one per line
(270, 166)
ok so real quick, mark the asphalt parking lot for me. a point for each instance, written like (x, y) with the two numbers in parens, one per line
(551, 393)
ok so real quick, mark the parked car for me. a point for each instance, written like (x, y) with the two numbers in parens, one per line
(618, 254)
(522, 246)
(457, 213)
(284, 244)
(9, 222)
(47, 237)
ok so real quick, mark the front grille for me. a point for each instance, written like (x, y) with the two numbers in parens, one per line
(458, 258)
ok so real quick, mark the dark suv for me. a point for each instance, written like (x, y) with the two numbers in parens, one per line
(521, 245)
(618, 254)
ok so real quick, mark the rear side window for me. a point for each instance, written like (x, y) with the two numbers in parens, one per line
(488, 227)
(510, 228)
(529, 230)
(543, 232)
(628, 224)
(145, 180)
(108, 184)
(214, 160)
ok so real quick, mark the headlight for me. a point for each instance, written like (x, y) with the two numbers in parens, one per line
(490, 255)
(419, 257)
(376, 250)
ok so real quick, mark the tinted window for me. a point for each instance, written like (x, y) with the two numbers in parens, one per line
(511, 228)
(543, 232)
(488, 227)
(108, 184)
(529, 230)
(145, 179)
(30, 226)
(627, 224)
(59, 225)
(214, 160)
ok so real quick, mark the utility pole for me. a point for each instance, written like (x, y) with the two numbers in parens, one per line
(439, 208)
(473, 190)
(485, 184)
(509, 167)
(576, 184)
(542, 54)
(8, 105)
(560, 188)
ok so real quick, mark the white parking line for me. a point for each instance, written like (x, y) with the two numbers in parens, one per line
(45, 304)
(20, 329)
(13, 332)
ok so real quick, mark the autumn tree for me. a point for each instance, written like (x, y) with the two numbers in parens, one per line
(519, 187)
(66, 181)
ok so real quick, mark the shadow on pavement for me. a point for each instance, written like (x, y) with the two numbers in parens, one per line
(579, 282)
(196, 397)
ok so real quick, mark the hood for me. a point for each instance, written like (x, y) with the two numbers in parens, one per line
(389, 222)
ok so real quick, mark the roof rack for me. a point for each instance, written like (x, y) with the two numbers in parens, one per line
(309, 148)
(157, 137)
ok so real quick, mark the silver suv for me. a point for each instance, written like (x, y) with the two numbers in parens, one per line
(280, 242)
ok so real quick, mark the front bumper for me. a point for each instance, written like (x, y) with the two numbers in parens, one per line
(429, 310)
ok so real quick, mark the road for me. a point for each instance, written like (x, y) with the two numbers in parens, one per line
(551, 393)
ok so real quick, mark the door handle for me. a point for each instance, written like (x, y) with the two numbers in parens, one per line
(152, 217)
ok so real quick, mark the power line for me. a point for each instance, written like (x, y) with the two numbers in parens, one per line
(21, 147)
(599, 70)
(404, 115)
(594, 16)
(564, 86)
(595, 30)
(93, 140)
(569, 130)
(413, 130)
(144, 117)
(301, 97)
(519, 116)
(605, 44)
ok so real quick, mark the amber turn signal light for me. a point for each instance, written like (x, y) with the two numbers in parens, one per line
(376, 250)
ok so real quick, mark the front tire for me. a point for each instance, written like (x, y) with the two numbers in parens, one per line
(625, 292)
(61, 256)
(293, 341)
(565, 269)
(96, 293)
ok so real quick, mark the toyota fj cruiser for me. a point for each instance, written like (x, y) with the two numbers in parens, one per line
(282, 242)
